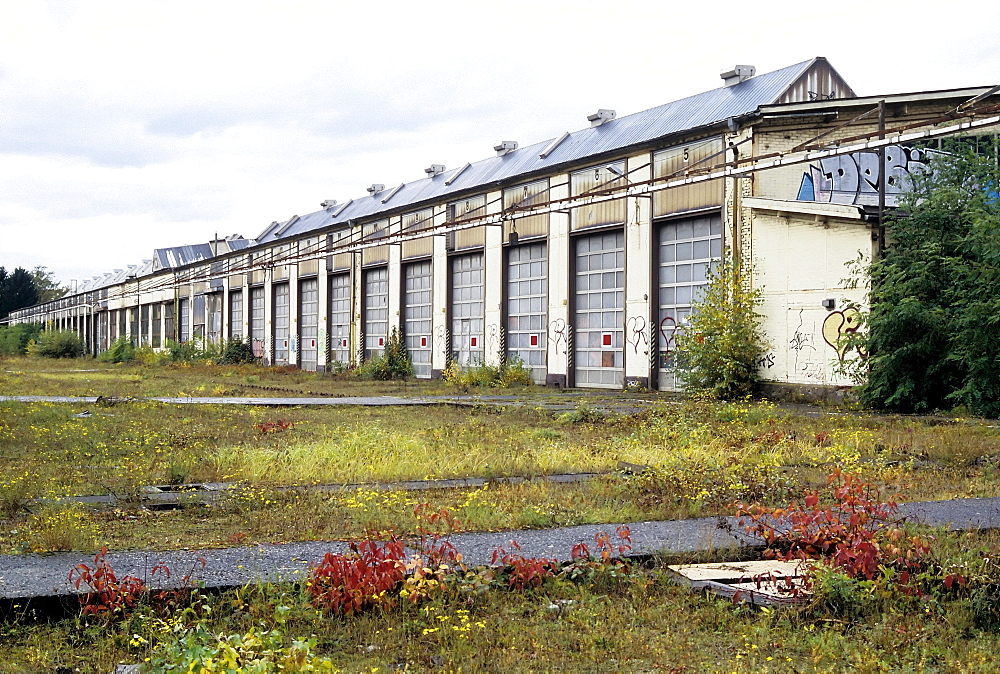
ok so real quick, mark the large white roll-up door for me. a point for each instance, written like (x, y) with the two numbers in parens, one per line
(417, 316)
(376, 297)
(258, 336)
(467, 309)
(598, 328)
(308, 324)
(527, 299)
(687, 249)
(340, 318)
(281, 323)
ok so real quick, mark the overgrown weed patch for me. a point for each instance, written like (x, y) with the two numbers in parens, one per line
(700, 457)
(635, 619)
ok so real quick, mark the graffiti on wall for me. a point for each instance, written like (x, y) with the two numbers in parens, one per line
(257, 347)
(441, 339)
(668, 330)
(853, 178)
(557, 335)
(838, 326)
(635, 332)
(803, 347)
(492, 338)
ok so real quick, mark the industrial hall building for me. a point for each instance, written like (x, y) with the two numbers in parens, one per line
(580, 255)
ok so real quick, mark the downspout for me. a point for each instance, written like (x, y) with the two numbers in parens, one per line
(881, 180)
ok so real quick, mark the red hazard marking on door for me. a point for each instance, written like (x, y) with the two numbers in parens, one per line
(284, 343)
(475, 342)
(343, 343)
(423, 341)
(534, 340)
(606, 339)
(312, 342)
(381, 341)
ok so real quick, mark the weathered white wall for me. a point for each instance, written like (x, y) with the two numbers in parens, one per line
(799, 262)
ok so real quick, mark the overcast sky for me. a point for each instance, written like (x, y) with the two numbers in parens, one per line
(134, 125)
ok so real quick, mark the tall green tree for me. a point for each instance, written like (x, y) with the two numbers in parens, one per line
(933, 334)
(46, 285)
(17, 290)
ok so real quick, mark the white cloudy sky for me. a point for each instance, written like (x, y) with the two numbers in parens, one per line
(131, 125)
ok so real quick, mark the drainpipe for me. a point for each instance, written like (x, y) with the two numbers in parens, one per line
(881, 179)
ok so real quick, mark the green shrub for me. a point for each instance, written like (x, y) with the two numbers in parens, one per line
(931, 336)
(718, 350)
(120, 351)
(14, 339)
(393, 363)
(508, 373)
(185, 352)
(147, 355)
(196, 649)
(56, 344)
(235, 352)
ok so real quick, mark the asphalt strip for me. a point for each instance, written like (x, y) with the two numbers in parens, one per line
(32, 575)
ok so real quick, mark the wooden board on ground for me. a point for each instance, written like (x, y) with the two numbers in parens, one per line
(762, 583)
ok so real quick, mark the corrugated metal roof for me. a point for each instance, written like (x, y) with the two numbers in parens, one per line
(179, 256)
(686, 114)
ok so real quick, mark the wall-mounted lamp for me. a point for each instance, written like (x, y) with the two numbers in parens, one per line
(829, 304)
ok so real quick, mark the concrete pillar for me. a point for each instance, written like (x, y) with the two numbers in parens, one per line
(268, 358)
(293, 314)
(357, 325)
(395, 298)
(322, 332)
(559, 287)
(226, 312)
(493, 279)
(639, 248)
(439, 304)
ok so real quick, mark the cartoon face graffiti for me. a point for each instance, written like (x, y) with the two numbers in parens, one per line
(837, 326)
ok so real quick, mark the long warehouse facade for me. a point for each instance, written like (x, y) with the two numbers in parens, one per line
(581, 256)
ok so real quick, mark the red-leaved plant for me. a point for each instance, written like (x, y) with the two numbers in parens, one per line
(605, 548)
(854, 530)
(274, 426)
(108, 596)
(364, 578)
(523, 572)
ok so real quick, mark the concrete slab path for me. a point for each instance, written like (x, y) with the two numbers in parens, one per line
(25, 576)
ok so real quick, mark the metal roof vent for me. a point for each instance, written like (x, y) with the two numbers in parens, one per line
(284, 228)
(328, 204)
(737, 74)
(505, 147)
(601, 116)
(434, 169)
(375, 188)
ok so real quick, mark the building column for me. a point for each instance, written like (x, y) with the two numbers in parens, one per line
(559, 327)
(357, 325)
(268, 319)
(639, 314)
(439, 304)
(494, 350)
(323, 317)
(395, 299)
(293, 314)
(224, 330)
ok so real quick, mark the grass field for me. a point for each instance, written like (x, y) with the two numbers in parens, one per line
(701, 457)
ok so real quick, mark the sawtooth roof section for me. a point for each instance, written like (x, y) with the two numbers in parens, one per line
(687, 114)
(180, 256)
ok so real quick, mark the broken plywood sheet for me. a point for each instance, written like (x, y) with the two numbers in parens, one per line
(761, 583)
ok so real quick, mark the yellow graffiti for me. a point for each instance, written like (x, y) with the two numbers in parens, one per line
(837, 326)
